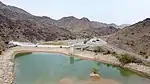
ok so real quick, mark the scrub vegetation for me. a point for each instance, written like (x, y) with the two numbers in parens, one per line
(0, 52)
(22, 54)
(126, 58)
(98, 49)
(123, 58)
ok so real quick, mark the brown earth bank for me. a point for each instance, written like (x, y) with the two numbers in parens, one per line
(100, 81)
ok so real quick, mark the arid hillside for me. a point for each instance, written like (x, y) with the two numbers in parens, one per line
(135, 38)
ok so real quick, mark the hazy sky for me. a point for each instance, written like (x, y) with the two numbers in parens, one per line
(109, 11)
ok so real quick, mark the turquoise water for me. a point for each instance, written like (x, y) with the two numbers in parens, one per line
(46, 68)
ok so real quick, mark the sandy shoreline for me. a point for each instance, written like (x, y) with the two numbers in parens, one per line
(100, 81)
(7, 67)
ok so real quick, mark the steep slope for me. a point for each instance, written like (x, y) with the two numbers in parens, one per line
(25, 30)
(134, 38)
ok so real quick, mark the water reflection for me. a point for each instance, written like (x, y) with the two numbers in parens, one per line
(109, 65)
(76, 60)
(98, 63)
(124, 72)
(73, 60)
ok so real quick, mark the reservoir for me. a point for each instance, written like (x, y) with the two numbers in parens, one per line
(50, 68)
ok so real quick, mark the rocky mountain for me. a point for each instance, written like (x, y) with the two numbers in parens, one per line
(17, 24)
(135, 38)
(84, 24)
(25, 30)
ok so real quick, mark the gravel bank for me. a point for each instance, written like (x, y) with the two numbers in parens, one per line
(138, 68)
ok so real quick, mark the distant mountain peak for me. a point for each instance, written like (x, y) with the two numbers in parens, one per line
(84, 19)
(147, 19)
(1, 3)
(68, 18)
(13, 9)
(45, 17)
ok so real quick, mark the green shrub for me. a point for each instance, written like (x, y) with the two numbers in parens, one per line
(3, 49)
(22, 54)
(85, 41)
(118, 38)
(95, 70)
(132, 33)
(0, 52)
(107, 52)
(142, 53)
(97, 39)
(98, 49)
(146, 56)
(6, 42)
(125, 58)
(114, 53)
